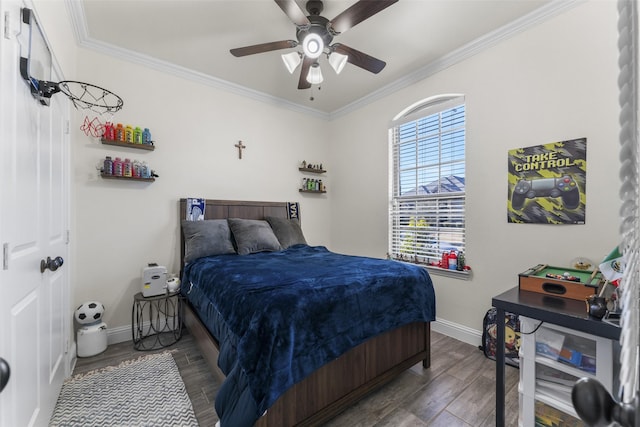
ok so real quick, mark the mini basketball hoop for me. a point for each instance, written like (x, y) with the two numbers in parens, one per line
(35, 69)
(85, 96)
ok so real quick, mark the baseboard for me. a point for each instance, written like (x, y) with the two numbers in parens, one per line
(457, 331)
(119, 334)
(123, 333)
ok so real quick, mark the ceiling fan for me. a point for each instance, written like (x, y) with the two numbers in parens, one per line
(315, 34)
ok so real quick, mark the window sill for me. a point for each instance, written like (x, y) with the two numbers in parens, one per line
(454, 274)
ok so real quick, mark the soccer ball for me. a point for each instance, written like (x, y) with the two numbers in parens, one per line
(89, 312)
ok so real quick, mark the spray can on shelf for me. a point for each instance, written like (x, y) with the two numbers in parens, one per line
(107, 168)
(117, 167)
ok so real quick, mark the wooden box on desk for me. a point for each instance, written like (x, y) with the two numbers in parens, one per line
(535, 280)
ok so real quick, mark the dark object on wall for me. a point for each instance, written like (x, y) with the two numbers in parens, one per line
(511, 337)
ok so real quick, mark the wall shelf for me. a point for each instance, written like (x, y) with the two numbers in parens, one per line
(310, 191)
(127, 178)
(148, 147)
(311, 170)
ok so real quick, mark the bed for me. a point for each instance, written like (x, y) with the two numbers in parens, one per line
(280, 330)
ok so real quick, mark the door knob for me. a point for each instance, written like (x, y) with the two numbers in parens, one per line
(5, 373)
(51, 264)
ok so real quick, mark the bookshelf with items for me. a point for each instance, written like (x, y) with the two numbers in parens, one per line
(552, 359)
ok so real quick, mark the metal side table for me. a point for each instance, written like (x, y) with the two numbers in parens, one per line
(156, 321)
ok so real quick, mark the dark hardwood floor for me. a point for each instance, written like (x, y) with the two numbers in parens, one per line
(458, 389)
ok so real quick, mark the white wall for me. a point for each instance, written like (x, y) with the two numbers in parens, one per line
(121, 226)
(554, 82)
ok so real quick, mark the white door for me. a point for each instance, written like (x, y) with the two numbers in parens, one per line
(34, 200)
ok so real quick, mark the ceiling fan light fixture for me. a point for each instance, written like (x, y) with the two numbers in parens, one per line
(315, 74)
(312, 45)
(291, 61)
(337, 61)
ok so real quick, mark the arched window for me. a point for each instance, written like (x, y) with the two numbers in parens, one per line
(427, 182)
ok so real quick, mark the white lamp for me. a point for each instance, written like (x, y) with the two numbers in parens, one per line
(337, 61)
(312, 45)
(291, 61)
(315, 75)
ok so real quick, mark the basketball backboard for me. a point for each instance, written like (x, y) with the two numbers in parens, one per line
(35, 56)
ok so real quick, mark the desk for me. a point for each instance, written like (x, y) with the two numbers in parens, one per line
(559, 311)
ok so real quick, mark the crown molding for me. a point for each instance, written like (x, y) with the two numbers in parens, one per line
(478, 45)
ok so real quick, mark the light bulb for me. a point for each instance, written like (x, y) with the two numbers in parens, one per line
(312, 45)
(315, 74)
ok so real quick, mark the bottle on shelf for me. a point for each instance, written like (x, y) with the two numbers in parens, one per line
(107, 168)
(119, 133)
(128, 134)
(453, 261)
(109, 131)
(117, 167)
(135, 169)
(145, 171)
(126, 168)
(320, 185)
(146, 136)
(137, 135)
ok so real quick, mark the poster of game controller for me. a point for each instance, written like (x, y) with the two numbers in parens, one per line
(547, 183)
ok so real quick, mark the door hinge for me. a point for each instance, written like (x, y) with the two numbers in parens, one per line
(67, 237)
(67, 127)
(5, 256)
(7, 26)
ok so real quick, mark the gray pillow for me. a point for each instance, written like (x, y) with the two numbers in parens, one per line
(287, 231)
(206, 238)
(253, 236)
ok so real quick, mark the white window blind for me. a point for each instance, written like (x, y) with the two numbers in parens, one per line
(427, 206)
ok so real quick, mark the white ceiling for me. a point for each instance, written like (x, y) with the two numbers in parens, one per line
(414, 37)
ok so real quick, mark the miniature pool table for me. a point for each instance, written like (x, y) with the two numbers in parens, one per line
(561, 282)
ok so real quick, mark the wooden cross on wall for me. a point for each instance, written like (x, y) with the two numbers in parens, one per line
(240, 146)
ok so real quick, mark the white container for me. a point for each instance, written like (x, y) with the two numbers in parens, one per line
(92, 339)
(154, 280)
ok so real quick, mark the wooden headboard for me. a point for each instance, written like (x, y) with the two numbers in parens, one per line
(222, 209)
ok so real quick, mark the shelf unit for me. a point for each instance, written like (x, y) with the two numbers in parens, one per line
(127, 178)
(148, 147)
(546, 381)
(314, 171)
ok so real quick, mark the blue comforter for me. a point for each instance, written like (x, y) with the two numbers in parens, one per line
(278, 316)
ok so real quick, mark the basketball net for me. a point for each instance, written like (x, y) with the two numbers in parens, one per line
(95, 126)
(102, 102)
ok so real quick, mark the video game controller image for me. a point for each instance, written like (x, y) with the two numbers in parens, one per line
(565, 187)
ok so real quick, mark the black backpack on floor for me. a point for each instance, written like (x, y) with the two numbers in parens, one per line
(511, 336)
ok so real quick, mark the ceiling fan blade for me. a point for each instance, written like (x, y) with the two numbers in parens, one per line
(303, 83)
(357, 13)
(263, 47)
(293, 11)
(360, 59)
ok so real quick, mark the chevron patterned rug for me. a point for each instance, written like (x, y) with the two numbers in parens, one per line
(147, 391)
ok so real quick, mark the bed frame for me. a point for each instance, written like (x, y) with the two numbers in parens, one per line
(340, 383)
